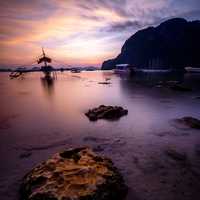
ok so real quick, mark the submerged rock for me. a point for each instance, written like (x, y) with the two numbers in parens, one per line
(74, 174)
(190, 122)
(174, 154)
(25, 155)
(106, 112)
(180, 88)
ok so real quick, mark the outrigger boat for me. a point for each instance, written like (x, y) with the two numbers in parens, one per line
(46, 69)
(15, 74)
(75, 70)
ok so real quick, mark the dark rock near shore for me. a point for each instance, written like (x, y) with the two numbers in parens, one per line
(25, 155)
(190, 122)
(106, 112)
(104, 83)
(180, 88)
(174, 154)
(74, 174)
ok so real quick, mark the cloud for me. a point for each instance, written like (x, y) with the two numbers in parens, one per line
(123, 26)
(82, 31)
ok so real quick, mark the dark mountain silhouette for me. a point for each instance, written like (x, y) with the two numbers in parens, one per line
(174, 43)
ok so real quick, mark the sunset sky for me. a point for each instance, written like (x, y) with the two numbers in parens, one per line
(79, 32)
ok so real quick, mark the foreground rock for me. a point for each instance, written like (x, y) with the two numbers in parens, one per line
(190, 122)
(74, 174)
(106, 112)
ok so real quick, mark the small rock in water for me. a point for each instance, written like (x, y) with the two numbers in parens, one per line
(106, 112)
(25, 155)
(190, 122)
(173, 153)
(74, 174)
(104, 83)
(180, 88)
(98, 148)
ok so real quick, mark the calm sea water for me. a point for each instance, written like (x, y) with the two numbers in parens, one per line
(40, 117)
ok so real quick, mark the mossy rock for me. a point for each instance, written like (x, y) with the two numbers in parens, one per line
(74, 174)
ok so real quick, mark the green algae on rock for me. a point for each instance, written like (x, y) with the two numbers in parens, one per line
(106, 112)
(74, 174)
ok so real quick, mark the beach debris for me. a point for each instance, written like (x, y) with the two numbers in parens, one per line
(181, 88)
(74, 174)
(106, 112)
(176, 155)
(189, 122)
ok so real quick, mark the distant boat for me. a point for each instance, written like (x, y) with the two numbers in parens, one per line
(192, 69)
(15, 74)
(124, 68)
(75, 70)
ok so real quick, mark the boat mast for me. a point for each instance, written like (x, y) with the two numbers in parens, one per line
(44, 55)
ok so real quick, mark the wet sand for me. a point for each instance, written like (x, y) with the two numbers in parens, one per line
(39, 118)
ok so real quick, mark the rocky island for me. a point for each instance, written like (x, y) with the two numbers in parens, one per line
(175, 43)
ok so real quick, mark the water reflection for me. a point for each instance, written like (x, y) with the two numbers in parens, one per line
(145, 82)
(33, 120)
(155, 78)
(48, 85)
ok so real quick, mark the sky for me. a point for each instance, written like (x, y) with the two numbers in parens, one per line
(79, 32)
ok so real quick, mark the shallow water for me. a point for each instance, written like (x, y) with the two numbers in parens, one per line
(40, 117)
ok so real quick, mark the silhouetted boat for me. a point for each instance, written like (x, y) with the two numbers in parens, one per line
(15, 74)
(75, 70)
(46, 69)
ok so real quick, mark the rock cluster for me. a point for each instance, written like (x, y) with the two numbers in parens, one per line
(74, 174)
(190, 122)
(106, 112)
